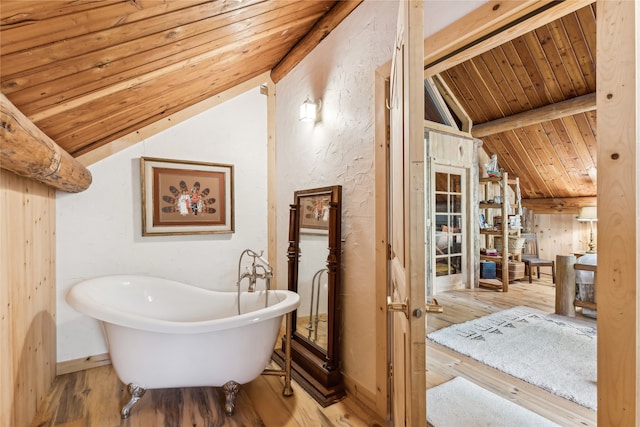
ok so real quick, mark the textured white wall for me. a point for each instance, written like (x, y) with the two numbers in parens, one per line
(99, 230)
(339, 149)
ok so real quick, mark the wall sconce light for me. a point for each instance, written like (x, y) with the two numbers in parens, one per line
(589, 214)
(309, 110)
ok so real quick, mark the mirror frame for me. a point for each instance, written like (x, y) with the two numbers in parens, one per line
(314, 368)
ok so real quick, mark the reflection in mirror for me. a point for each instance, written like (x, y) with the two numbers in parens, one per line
(313, 287)
(319, 329)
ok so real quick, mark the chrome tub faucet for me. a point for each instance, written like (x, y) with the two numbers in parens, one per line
(253, 273)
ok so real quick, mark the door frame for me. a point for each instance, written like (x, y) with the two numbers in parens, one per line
(467, 37)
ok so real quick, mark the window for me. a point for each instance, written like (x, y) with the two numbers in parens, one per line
(449, 207)
(440, 106)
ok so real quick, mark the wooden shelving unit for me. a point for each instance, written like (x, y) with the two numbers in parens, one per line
(505, 208)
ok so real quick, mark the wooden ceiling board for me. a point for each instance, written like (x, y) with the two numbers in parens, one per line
(533, 147)
(134, 123)
(158, 59)
(86, 72)
(101, 50)
(485, 98)
(566, 153)
(490, 88)
(464, 89)
(532, 179)
(556, 162)
(541, 72)
(502, 145)
(586, 16)
(579, 129)
(565, 85)
(553, 63)
(80, 33)
(19, 12)
(561, 31)
(158, 97)
(512, 95)
(525, 77)
(106, 58)
(588, 129)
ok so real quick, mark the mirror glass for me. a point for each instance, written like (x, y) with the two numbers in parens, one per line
(313, 283)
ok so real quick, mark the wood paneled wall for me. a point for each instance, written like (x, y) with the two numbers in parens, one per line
(560, 234)
(27, 297)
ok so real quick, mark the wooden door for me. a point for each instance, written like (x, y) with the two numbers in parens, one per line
(407, 225)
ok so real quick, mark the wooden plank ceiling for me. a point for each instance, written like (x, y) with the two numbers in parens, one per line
(555, 63)
(87, 72)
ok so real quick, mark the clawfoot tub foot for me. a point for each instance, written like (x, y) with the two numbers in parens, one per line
(230, 391)
(136, 393)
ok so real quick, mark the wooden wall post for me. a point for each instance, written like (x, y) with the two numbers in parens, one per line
(565, 285)
(27, 297)
(618, 94)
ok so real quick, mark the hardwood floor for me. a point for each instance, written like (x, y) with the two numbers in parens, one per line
(93, 398)
(444, 364)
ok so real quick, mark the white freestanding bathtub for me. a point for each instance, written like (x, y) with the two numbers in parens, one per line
(162, 333)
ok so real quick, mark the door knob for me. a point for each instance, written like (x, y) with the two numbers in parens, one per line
(434, 307)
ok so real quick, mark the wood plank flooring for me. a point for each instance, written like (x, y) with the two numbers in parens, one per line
(444, 364)
(93, 398)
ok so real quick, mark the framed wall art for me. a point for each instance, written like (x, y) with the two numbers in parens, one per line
(185, 197)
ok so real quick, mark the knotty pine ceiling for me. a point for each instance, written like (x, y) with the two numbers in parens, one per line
(87, 72)
(554, 63)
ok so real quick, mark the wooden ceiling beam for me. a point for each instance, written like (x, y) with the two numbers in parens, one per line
(29, 152)
(319, 31)
(570, 107)
(565, 205)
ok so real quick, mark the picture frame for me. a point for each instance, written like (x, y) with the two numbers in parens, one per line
(186, 197)
(314, 213)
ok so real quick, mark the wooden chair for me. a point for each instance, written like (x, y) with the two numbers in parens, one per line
(531, 259)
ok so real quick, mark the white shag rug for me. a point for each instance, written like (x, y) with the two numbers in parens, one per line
(553, 352)
(461, 403)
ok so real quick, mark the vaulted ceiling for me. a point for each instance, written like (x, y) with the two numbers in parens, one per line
(532, 102)
(88, 72)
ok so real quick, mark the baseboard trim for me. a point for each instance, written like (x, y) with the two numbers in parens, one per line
(361, 395)
(75, 365)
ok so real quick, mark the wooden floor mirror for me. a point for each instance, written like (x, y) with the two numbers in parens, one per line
(314, 266)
